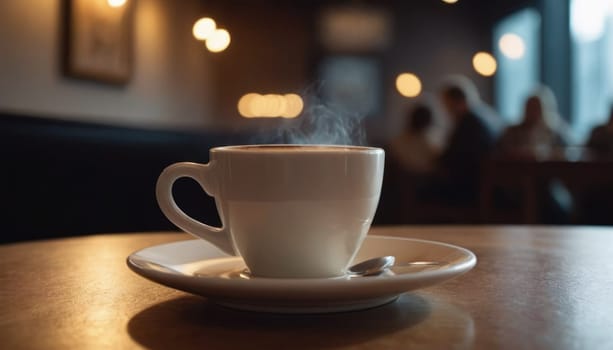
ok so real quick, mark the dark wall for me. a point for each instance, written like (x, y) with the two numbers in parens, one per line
(271, 52)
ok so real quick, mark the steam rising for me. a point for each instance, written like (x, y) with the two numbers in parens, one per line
(321, 123)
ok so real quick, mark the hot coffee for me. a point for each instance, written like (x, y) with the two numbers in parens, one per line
(290, 211)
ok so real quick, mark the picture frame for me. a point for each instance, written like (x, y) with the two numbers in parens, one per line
(98, 40)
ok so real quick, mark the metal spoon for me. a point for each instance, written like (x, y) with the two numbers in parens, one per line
(379, 265)
(372, 267)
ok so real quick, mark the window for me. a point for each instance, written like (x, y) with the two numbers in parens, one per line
(591, 25)
(517, 50)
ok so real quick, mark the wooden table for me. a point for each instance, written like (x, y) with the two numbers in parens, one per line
(533, 288)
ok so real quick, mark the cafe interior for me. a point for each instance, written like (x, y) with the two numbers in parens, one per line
(496, 118)
(97, 97)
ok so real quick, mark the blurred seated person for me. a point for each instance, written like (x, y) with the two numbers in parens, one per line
(494, 122)
(540, 132)
(471, 139)
(412, 157)
(601, 138)
(415, 149)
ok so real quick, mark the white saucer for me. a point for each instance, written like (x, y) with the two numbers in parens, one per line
(198, 267)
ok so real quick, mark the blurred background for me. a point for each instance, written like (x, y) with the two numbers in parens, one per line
(489, 111)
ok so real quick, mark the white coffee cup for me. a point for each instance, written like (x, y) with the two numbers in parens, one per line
(290, 211)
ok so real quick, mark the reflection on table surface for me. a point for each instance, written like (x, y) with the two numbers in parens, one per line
(412, 320)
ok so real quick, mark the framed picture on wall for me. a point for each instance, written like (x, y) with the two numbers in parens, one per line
(98, 40)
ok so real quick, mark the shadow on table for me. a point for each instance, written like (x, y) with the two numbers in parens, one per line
(192, 322)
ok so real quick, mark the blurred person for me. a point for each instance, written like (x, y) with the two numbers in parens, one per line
(541, 133)
(541, 130)
(471, 139)
(601, 138)
(415, 149)
(412, 157)
(485, 112)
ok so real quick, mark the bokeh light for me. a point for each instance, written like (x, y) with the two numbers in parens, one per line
(450, 1)
(245, 103)
(512, 46)
(485, 64)
(588, 18)
(408, 85)
(218, 40)
(270, 106)
(294, 106)
(116, 3)
(203, 28)
(254, 105)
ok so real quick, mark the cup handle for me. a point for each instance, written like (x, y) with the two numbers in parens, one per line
(218, 236)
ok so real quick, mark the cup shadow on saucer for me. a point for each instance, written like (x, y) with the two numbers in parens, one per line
(192, 322)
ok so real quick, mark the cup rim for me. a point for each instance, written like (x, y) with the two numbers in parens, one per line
(291, 148)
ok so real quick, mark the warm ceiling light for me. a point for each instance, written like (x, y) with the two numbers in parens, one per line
(116, 3)
(218, 40)
(254, 105)
(260, 107)
(408, 85)
(203, 28)
(512, 46)
(450, 1)
(294, 106)
(277, 105)
(268, 106)
(244, 105)
(485, 64)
